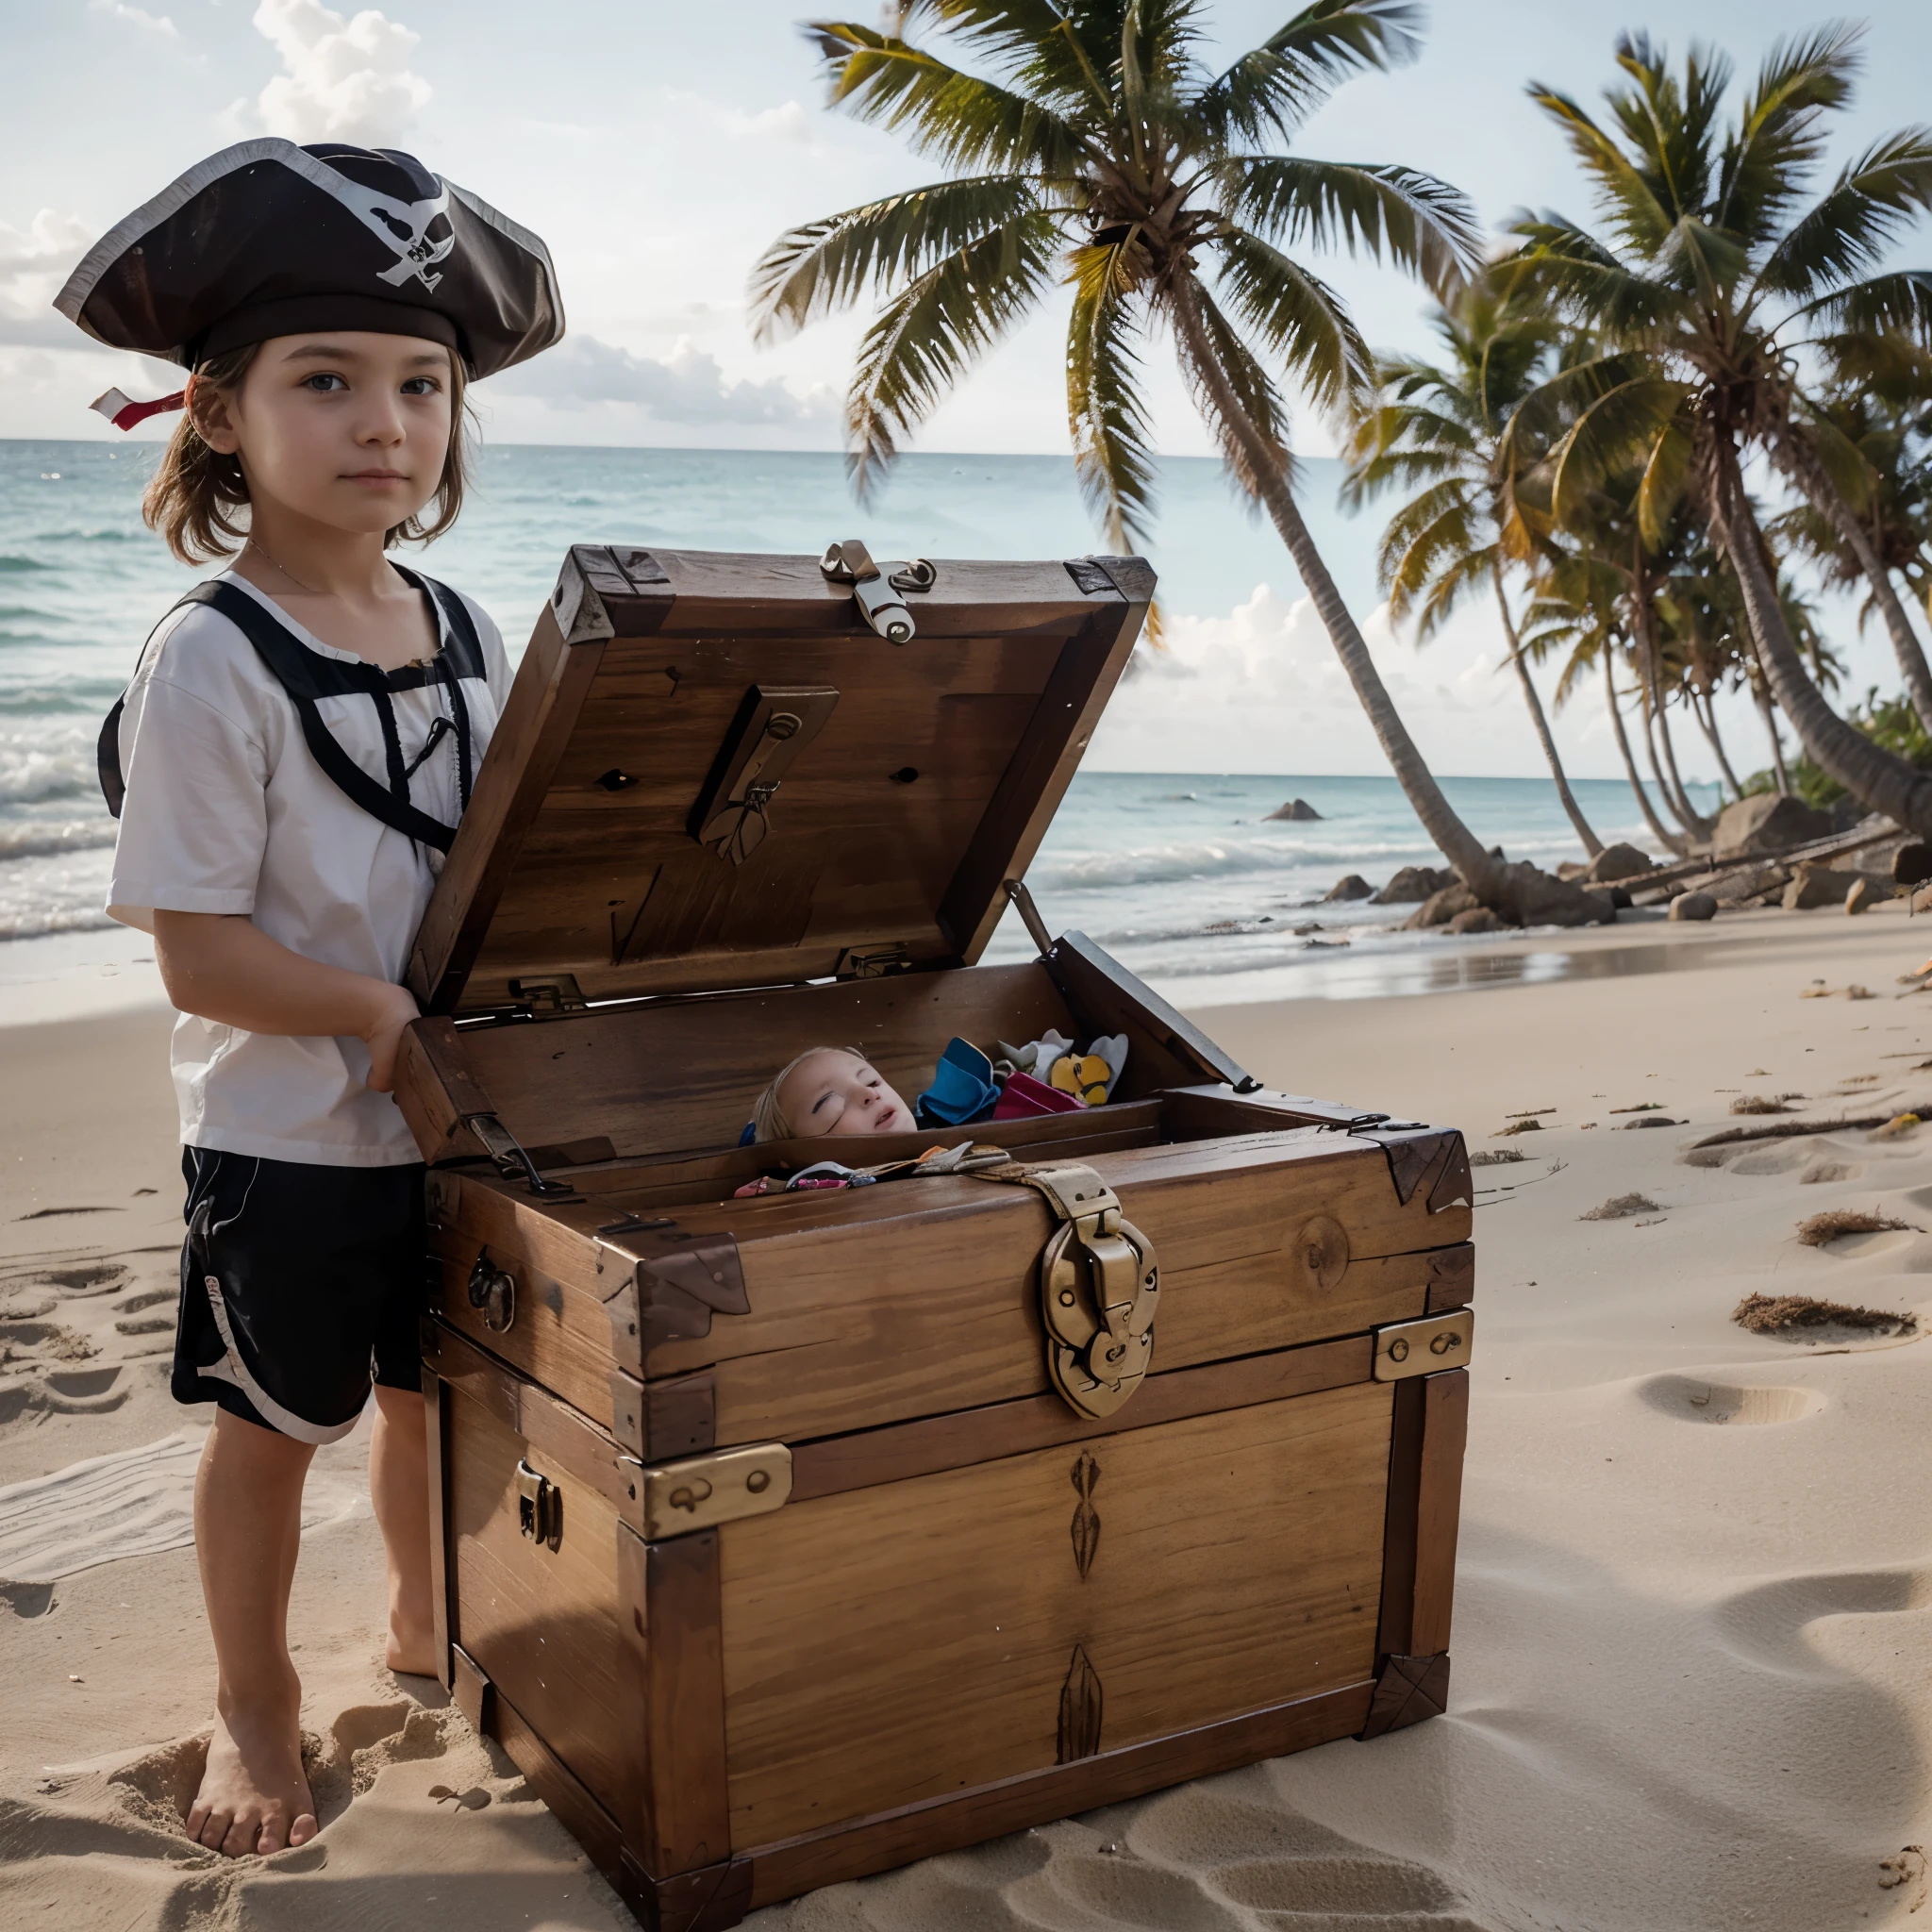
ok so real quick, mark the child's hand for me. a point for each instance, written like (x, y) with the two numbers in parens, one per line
(395, 1007)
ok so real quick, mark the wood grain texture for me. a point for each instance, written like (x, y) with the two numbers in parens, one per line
(870, 1457)
(539, 717)
(587, 864)
(923, 1830)
(1396, 1622)
(1451, 1278)
(1438, 1504)
(435, 1087)
(576, 1808)
(1169, 1050)
(436, 1433)
(541, 1623)
(1240, 1567)
(674, 1701)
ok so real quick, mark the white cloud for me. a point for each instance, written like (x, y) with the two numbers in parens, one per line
(34, 262)
(341, 79)
(688, 387)
(136, 17)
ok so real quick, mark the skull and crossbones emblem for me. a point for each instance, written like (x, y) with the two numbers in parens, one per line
(405, 225)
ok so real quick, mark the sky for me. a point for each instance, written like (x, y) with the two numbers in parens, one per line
(660, 147)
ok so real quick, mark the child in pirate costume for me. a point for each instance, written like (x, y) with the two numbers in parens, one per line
(301, 735)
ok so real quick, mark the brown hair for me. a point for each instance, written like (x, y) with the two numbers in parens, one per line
(195, 490)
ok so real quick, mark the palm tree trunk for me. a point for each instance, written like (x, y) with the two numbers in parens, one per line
(1761, 694)
(1591, 843)
(1521, 894)
(1686, 805)
(1799, 463)
(1669, 840)
(1872, 775)
(1705, 711)
(1686, 815)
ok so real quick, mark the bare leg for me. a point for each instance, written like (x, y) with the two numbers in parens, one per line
(399, 1487)
(248, 1531)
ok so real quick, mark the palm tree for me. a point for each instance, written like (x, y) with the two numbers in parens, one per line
(1872, 428)
(1099, 150)
(1441, 431)
(1712, 261)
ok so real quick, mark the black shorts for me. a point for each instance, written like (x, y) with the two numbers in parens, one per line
(300, 1286)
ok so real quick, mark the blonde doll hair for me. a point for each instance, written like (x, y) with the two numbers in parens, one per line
(768, 1119)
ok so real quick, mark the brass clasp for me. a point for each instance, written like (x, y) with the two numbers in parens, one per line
(540, 1506)
(1099, 1281)
(702, 1492)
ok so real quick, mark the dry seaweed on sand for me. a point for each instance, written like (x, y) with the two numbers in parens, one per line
(1641, 1106)
(1525, 1127)
(1620, 1207)
(1764, 1103)
(1835, 1222)
(1789, 1314)
(1495, 1156)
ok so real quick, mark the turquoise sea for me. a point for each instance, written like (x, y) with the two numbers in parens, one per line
(1179, 873)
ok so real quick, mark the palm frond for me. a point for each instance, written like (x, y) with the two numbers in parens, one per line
(1301, 320)
(1666, 475)
(1590, 281)
(1471, 572)
(1669, 126)
(926, 336)
(1105, 411)
(1892, 305)
(1616, 432)
(1054, 53)
(1270, 91)
(1778, 137)
(1847, 232)
(826, 265)
(967, 121)
(1627, 197)
(1419, 223)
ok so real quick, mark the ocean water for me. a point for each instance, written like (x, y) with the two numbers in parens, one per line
(1182, 876)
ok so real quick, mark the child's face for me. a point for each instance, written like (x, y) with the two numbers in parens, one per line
(348, 428)
(833, 1093)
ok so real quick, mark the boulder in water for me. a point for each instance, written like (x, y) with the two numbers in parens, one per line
(1767, 821)
(1414, 883)
(1353, 887)
(1295, 808)
(1615, 863)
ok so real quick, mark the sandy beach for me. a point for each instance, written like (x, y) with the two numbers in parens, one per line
(1694, 1595)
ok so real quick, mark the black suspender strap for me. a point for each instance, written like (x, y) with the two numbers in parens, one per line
(307, 677)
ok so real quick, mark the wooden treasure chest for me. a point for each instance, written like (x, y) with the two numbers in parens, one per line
(782, 1540)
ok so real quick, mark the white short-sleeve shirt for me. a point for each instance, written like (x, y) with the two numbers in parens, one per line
(227, 811)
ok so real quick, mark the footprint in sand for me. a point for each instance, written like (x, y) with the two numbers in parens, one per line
(1220, 1855)
(1767, 1626)
(1690, 1399)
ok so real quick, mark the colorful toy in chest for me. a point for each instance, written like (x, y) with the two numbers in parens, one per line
(786, 1538)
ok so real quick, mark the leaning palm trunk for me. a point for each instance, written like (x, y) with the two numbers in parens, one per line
(1591, 843)
(1760, 694)
(1872, 775)
(1686, 815)
(1799, 463)
(1705, 712)
(1697, 824)
(1521, 894)
(1646, 712)
(1671, 841)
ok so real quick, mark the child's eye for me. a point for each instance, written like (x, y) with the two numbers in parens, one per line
(324, 384)
(421, 386)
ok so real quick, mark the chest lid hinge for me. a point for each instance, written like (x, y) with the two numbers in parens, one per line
(875, 963)
(510, 1159)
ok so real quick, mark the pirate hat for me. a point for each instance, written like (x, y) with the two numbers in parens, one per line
(269, 239)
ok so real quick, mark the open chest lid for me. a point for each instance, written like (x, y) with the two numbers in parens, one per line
(713, 771)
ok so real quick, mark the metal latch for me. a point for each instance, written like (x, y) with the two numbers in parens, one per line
(512, 1163)
(540, 1506)
(494, 1295)
(875, 963)
(770, 730)
(1099, 1280)
(704, 1491)
(1424, 1347)
(551, 993)
(877, 588)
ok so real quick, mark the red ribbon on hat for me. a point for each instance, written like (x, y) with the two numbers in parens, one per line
(125, 414)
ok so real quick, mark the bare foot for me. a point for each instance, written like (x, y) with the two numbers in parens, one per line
(254, 1796)
(411, 1647)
